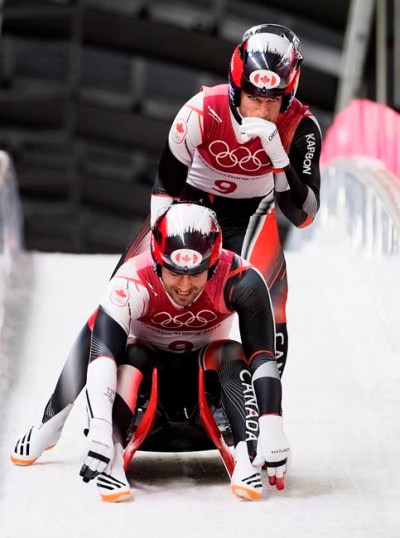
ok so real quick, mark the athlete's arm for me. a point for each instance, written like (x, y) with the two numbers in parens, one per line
(125, 298)
(184, 136)
(248, 295)
(297, 186)
(121, 300)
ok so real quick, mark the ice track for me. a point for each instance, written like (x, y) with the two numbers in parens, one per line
(341, 407)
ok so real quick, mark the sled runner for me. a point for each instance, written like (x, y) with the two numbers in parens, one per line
(159, 430)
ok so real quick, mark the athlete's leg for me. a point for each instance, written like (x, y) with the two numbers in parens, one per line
(70, 382)
(46, 434)
(263, 249)
(139, 243)
(73, 376)
(240, 404)
(279, 291)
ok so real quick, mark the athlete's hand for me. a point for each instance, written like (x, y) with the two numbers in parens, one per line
(269, 137)
(99, 450)
(273, 449)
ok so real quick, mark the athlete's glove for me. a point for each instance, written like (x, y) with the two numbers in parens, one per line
(273, 449)
(269, 137)
(99, 450)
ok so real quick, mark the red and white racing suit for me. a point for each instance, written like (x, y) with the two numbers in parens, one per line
(136, 309)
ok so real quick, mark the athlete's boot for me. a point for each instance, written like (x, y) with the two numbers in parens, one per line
(39, 438)
(113, 486)
(246, 479)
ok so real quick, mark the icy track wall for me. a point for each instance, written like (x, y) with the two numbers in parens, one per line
(360, 213)
(360, 203)
(361, 181)
(10, 227)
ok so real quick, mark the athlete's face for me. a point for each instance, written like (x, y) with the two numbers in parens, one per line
(266, 108)
(183, 289)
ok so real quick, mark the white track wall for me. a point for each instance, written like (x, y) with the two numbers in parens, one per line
(360, 218)
(361, 203)
(11, 289)
(10, 225)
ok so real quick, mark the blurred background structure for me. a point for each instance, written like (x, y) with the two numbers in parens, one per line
(89, 89)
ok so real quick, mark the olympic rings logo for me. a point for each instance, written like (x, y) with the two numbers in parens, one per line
(186, 319)
(241, 156)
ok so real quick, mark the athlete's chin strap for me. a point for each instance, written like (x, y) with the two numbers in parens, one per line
(235, 112)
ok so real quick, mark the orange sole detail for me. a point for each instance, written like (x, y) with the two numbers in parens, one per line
(246, 493)
(18, 461)
(115, 497)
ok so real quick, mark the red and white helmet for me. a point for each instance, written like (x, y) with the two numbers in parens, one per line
(186, 239)
(266, 64)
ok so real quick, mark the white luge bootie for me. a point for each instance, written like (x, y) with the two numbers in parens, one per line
(246, 479)
(114, 486)
(39, 438)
